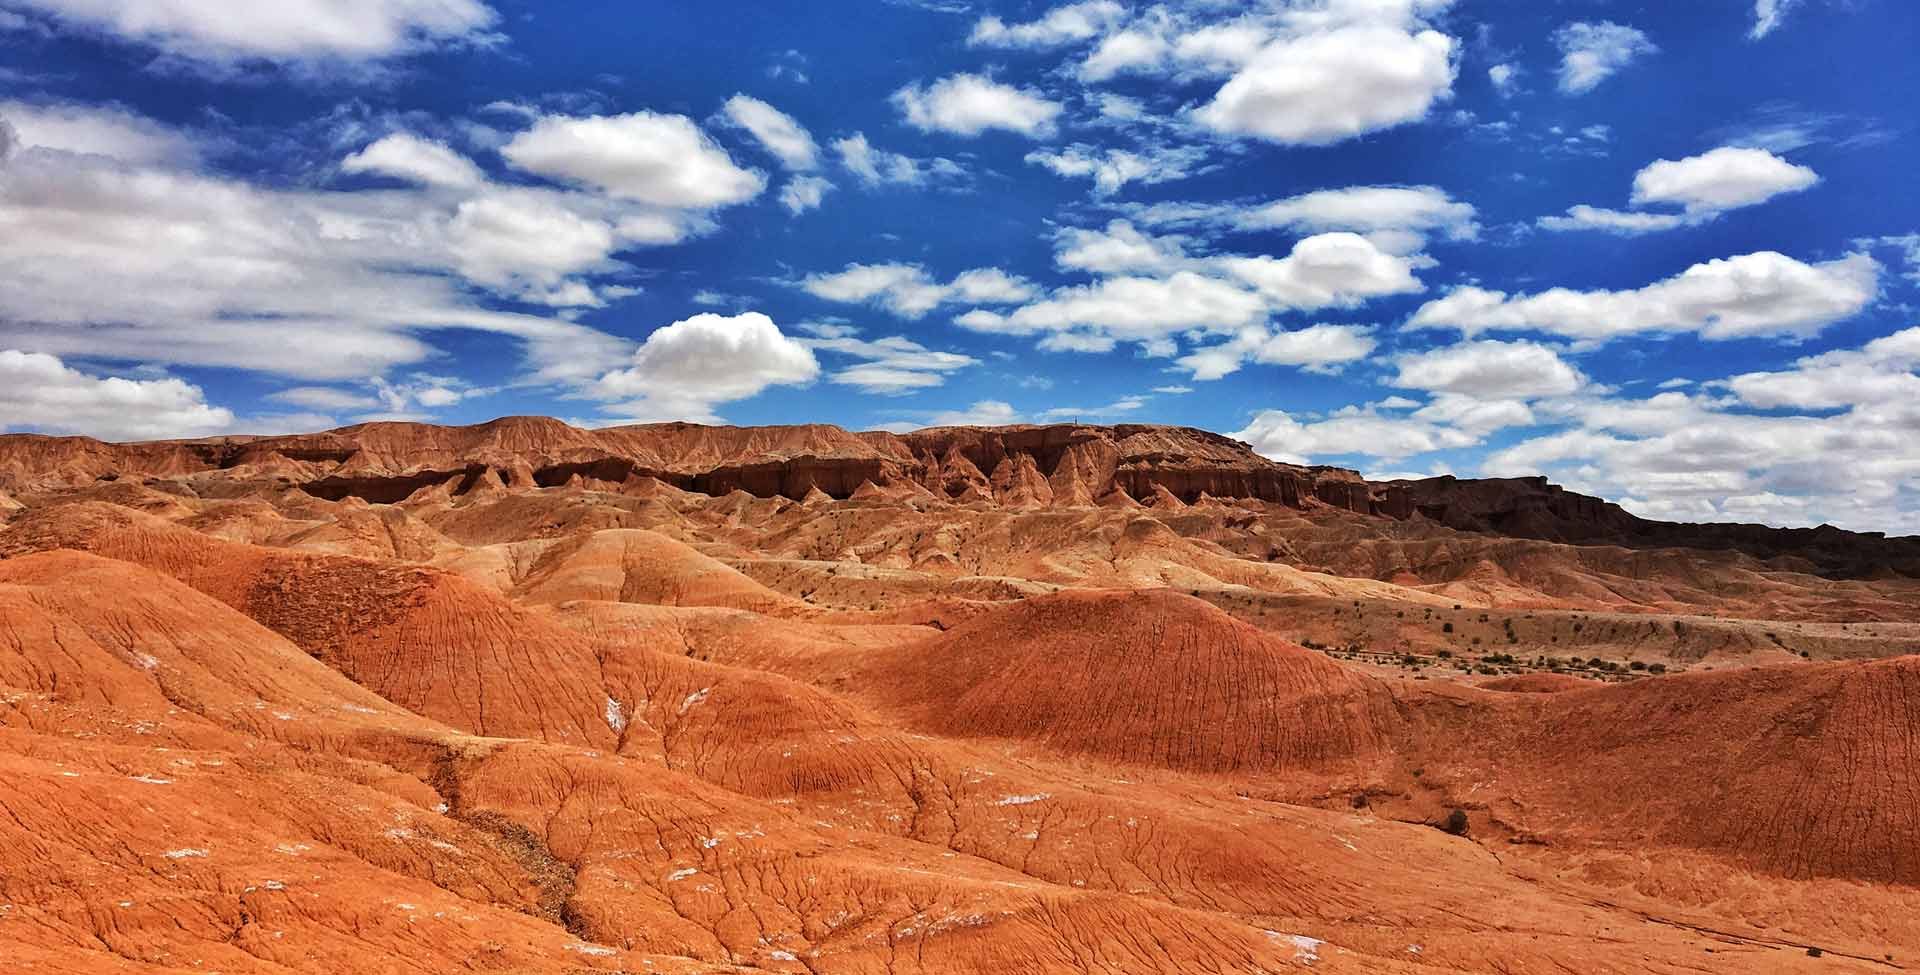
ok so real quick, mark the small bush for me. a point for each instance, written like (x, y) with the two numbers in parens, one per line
(1446, 627)
(1456, 822)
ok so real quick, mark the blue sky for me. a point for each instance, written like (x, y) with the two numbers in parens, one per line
(1665, 253)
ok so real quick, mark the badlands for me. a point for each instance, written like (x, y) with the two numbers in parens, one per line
(527, 698)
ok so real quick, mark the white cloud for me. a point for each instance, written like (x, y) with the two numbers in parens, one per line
(1767, 15)
(803, 193)
(1721, 180)
(1121, 407)
(1398, 219)
(1490, 370)
(1125, 51)
(983, 413)
(1118, 249)
(1765, 293)
(1505, 79)
(1623, 222)
(875, 167)
(154, 262)
(282, 31)
(894, 364)
(1277, 434)
(685, 370)
(1704, 186)
(42, 394)
(330, 398)
(1324, 87)
(1373, 210)
(1593, 52)
(969, 104)
(1880, 372)
(528, 244)
(416, 160)
(1161, 293)
(1907, 244)
(1128, 309)
(1687, 456)
(1334, 269)
(662, 160)
(1063, 25)
(98, 130)
(1112, 169)
(1317, 348)
(989, 286)
(787, 139)
(908, 291)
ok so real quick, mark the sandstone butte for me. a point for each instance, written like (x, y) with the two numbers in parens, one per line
(527, 698)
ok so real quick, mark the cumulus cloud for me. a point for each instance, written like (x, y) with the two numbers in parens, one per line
(1490, 370)
(1696, 457)
(662, 160)
(1354, 432)
(1316, 348)
(408, 157)
(1505, 79)
(1324, 87)
(803, 193)
(907, 289)
(1703, 186)
(1878, 373)
(970, 104)
(1157, 292)
(1334, 269)
(1475, 389)
(311, 284)
(1721, 180)
(1764, 293)
(775, 130)
(285, 31)
(1119, 248)
(685, 370)
(1397, 218)
(1064, 25)
(1093, 317)
(1590, 53)
(528, 244)
(120, 247)
(41, 394)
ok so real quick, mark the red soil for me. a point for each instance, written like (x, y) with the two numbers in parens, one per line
(527, 698)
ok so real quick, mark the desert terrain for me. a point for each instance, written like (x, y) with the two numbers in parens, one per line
(528, 698)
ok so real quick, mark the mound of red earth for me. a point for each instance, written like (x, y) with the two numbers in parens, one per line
(1151, 677)
(523, 697)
